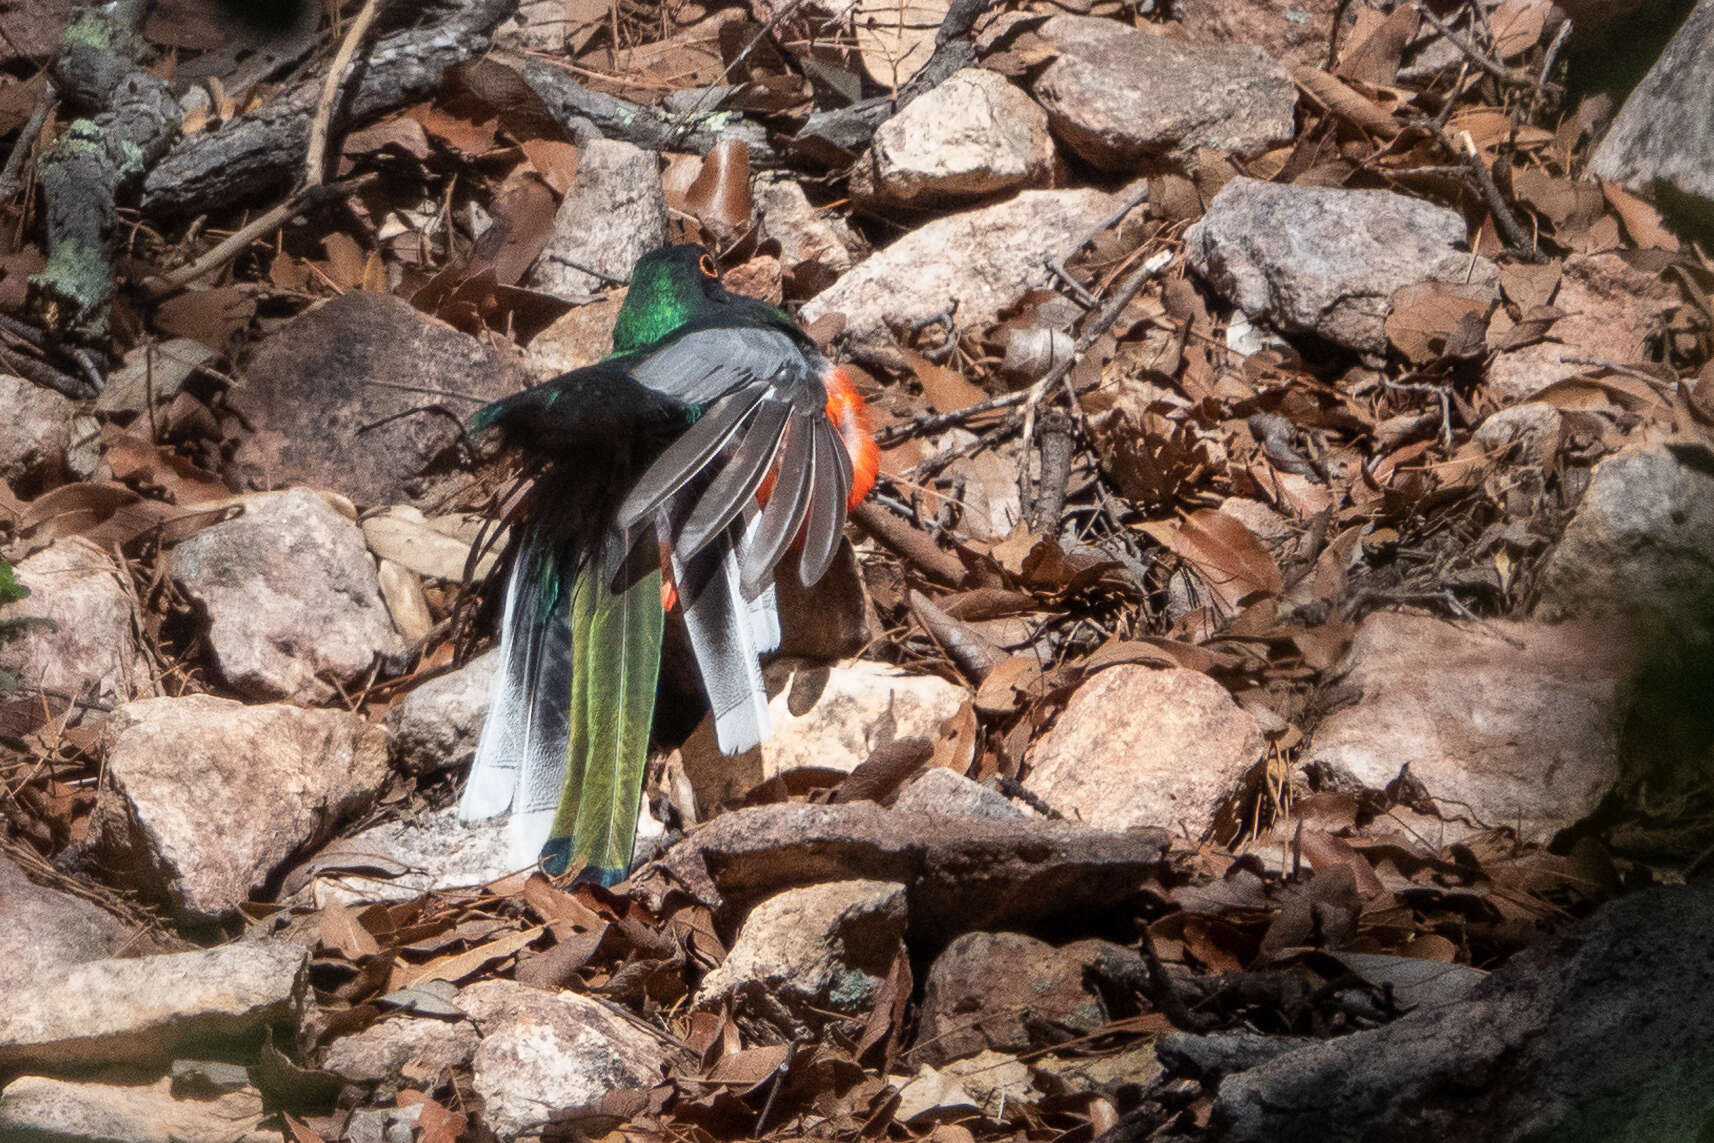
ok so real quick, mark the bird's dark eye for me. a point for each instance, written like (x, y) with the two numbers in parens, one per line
(707, 266)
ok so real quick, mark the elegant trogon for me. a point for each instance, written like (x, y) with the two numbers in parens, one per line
(713, 446)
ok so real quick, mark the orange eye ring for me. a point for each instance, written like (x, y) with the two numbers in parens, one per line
(707, 266)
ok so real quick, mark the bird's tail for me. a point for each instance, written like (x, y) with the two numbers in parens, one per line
(616, 625)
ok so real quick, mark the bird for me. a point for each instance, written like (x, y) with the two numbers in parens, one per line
(713, 446)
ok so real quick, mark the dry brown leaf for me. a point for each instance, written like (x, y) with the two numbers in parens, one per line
(209, 316)
(1517, 26)
(1642, 221)
(554, 160)
(946, 390)
(1375, 58)
(1233, 564)
(341, 932)
(1324, 852)
(460, 965)
(720, 196)
(896, 37)
(1434, 320)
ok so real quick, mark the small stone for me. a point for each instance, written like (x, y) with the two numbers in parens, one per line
(551, 1051)
(144, 1009)
(1141, 747)
(89, 644)
(823, 717)
(38, 1108)
(941, 791)
(613, 213)
(809, 952)
(974, 263)
(1003, 991)
(1503, 723)
(1324, 260)
(436, 726)
(1534, 426)
(1640, 545)
(402, 1050)
(38, 430)
(203, 798)
(1294, 31)
(973, 135)
(399, 860)
(291, 593)
(813, 245)
(1228, 98)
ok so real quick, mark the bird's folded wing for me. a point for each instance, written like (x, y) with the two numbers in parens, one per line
(763, 405)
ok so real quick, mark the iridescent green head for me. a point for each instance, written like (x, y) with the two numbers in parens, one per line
(672, 285)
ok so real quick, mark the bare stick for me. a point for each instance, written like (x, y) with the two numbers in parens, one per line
(26, 140)
(316, 157)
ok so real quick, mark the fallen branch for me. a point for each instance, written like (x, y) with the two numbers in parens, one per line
(316, 160)
(127, 120)
(254, 154)
(914, 547)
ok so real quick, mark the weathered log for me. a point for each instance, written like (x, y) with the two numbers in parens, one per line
(254, 154)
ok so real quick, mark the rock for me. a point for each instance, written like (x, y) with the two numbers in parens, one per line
(831, 717)
(146, 1008)
(1613, 312)
(1505, 724)
(1005, 991)
(383, 1124)
(1136, 746)
(324, 396)
(987, 1082)
(1660, 140)
(940, 791)
(47, 931)
(581, 336)
(1640, 545)
(974, 135)
(1098, 1075)
(202, 798)
(977, 262)
(1211, 1056)
(291, 593)
(1220, 97)
(38, 429)
(1533, 426)
(547, 1051)
(1295, 31)
(37, 1108)
(1601, 1034)
(808, 955)
(402, 1051)
(91, 649)
(402, 859)
(961, 873)
(435, 727)
(815, 248)
(1327, 261)
(613, 213)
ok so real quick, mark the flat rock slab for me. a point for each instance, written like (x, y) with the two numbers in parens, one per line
(399, 860)
(1294, 31)
(1602, 1034)
(547, 1051)
(976, 262)
(1230, 98)
(1141, 747)
(961, 873)
(811, 954)
(144, 1009)
(202, 798)
(1661, 139)
(46, 931)
(91, 646)
(402, 1047)
(338, 398)
(973, 135)
(1505, 724)
(291, 594)
(1324, 260)
(37, 1108)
